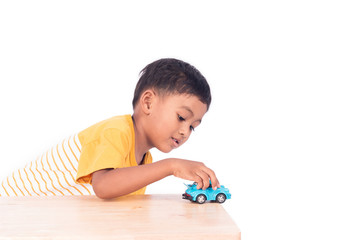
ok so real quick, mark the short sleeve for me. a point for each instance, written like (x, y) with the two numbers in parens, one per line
(109, 150)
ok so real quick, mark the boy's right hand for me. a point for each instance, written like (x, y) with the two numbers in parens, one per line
(194, 171)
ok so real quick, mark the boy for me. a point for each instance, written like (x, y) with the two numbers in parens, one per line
(112, 158)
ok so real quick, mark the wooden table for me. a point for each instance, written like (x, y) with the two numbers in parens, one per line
(131, 217)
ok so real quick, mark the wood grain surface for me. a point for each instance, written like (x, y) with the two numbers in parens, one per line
(131, 217)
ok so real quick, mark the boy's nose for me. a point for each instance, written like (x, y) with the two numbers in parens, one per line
(184, 133)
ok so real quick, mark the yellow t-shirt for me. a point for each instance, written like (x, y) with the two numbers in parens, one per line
(108, 144)
(67, 168)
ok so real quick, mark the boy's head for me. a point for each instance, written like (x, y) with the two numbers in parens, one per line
(170, 101)
(172, 76)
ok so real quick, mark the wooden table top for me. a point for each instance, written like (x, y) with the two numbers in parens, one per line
(131, 217)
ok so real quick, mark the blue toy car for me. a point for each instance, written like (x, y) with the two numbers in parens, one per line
(200, 196)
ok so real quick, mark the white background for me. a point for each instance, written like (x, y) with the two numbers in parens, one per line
(283, 130)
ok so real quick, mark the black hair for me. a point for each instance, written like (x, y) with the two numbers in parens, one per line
(173, 76)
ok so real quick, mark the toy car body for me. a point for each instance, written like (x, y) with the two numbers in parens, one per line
(200, 196)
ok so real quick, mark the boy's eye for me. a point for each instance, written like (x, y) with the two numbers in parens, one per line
(181, 118)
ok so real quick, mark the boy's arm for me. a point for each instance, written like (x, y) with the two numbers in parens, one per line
(110, 183)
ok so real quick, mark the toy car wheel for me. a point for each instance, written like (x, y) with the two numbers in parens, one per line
(220, 198)
(201, 198)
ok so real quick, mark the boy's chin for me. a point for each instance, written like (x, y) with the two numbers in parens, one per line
(165, 150)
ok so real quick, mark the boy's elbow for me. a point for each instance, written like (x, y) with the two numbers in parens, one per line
(100, 187)
(101, 193)
(105, 190)
(105, 186)
(98, 190)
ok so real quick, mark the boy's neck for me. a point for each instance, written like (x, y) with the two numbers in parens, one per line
(141, 145)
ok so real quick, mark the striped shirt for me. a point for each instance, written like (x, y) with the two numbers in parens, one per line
(53, 173)
(67, 168)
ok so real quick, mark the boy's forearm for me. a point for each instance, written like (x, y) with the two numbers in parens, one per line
(122, 181)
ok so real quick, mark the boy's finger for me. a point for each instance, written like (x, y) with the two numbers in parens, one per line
(214, 181)
(218, 184)
(205, 178)
(199, 182)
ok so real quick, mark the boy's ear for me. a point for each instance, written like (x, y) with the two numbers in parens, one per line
(146, 101)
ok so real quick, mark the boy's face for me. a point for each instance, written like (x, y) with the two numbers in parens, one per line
(171, 120)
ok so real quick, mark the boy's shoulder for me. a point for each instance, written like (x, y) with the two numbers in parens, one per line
(119, 124)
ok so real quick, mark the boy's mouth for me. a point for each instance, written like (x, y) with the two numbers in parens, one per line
(177, 142)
